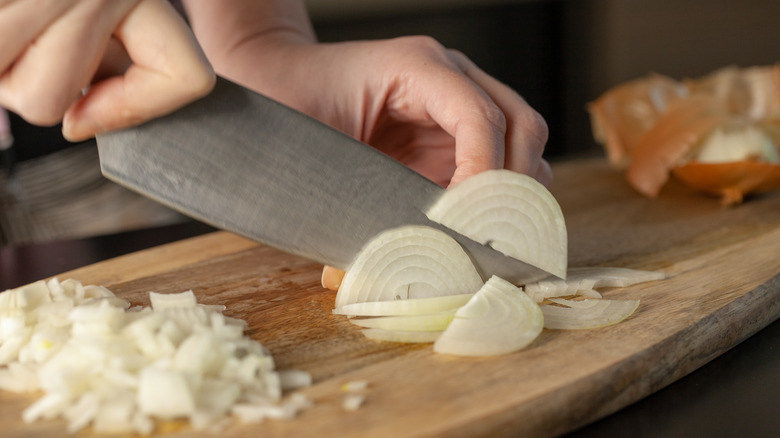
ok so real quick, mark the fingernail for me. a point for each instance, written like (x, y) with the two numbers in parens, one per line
(75, 130)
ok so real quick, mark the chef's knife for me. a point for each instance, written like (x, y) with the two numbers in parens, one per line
(250, 165)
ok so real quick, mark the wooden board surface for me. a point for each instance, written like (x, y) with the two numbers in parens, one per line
(723, 286)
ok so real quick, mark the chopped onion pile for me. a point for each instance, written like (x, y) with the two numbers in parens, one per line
(511, 212)
(406, 263)
(101, 363)
(500, 318)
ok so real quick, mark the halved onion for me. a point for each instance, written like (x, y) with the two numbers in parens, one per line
(586, 314)
(500, 318)
(511, 212)
(419, 306)
(407, 263)
(584, 280)
(412, 323)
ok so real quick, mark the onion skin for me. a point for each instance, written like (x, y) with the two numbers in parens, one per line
(668, 143)
(730, 181)
(332, 277)
(621, 116)
(663, 138)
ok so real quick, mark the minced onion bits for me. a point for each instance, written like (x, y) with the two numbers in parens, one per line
(120, 369)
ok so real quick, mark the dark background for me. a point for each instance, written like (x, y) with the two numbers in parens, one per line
(558, 54)
(561, 54)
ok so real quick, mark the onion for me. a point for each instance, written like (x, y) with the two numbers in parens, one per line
(586, 314)
(100, 363)
(408, 337)
(623, 114)
(728, 118)
(419, 306)
(584, 281)
(414, 323)
(406, 263)
(500, 318)
(511, 212)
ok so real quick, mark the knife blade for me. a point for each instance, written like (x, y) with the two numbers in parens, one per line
(245, 163)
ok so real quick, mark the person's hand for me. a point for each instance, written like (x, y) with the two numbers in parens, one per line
(427, 106)
(437, 112)
(53, 50)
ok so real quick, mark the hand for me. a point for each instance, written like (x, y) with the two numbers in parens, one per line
(429, 107)
(52, 51)
(436, 111)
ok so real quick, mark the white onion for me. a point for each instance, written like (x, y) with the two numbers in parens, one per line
(418, 306)
(584, 281)
(413, 323)
(407, 263)
(500, 318)
(117, 369)
(511, 212)
(403, 336)
(586, 314)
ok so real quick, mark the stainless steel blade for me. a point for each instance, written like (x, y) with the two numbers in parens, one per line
(250, 165)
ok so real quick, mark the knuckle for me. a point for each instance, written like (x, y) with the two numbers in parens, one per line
(537, 126)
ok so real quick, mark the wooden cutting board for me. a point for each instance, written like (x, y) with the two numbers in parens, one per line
(723, 286)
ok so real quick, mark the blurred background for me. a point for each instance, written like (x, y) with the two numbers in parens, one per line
(558, 54)
(561, 54)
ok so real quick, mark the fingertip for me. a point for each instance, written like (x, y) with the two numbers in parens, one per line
(544, 173)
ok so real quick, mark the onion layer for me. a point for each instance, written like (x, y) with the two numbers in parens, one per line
(584, 281)
(412, 323)
(511, 212)
(419, 306)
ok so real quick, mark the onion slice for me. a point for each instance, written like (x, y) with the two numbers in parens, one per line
(500, 318)
(586, 314)
(511, 212)
(585, 280)
(411, 323)
(403, 336)
(419, 306)
(407, 263)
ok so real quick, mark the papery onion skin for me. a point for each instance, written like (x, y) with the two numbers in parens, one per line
(730, 181)
(727, 98)
(622, 115)
(669, 142)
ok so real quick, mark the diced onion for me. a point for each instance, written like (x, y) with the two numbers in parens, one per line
(511, 212)
(118, 369)
(500, 318)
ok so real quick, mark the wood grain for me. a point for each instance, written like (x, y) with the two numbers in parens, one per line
(723, 286)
